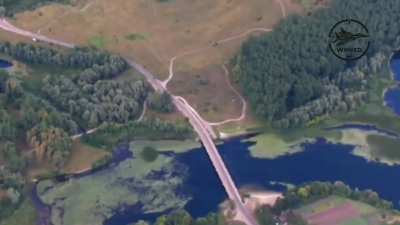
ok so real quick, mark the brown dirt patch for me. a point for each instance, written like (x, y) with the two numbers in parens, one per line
(83, 157)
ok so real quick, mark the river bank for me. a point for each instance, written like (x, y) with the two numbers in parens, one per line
(327, 159)
(375, 124)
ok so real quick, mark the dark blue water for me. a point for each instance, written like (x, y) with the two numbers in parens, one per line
(5, 64)
(392, 96)
(320, 161)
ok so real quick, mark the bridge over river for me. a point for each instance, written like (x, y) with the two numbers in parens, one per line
(203, 129)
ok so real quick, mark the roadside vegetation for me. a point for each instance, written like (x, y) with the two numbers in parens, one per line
(161, 102)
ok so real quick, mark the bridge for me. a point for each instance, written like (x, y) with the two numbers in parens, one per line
(203, 129)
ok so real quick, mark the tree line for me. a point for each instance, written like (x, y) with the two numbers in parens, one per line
(96, 64)
(314, 191)
(290, 73)
(110, 134)
(9, 7)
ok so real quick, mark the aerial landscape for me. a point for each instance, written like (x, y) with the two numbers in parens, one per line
(199, 112)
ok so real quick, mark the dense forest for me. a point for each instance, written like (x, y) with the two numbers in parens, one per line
(90, 95)
(110, 134)
(291, 77)
(75, 90)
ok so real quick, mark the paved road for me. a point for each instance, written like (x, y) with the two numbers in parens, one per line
(202, 128)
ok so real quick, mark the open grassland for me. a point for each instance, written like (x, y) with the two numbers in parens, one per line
(340, 211)
(171, 28)
(152, 32)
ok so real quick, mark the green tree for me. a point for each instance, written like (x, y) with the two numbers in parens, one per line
(161, 102)
(149, 154)
(50, 143)
(14, 161)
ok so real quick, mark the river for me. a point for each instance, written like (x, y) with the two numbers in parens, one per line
(392, 96)
(4, 64)
(320, 161)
